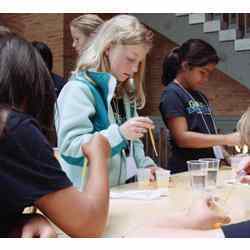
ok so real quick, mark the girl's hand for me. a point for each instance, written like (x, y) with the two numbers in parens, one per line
(206, 214)
(37, 226)
(32, 226)
(244, 170)
(97, 147)
(233, 139)
(152, 176)
(136, 127)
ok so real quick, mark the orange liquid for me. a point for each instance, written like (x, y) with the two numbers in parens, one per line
(217, 225)
(147, 184)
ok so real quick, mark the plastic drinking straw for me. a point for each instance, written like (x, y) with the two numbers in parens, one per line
(153, 141)
(84, 172)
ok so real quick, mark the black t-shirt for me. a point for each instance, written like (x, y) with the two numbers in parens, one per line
(28, 169)
(239, 230)
(176, 102)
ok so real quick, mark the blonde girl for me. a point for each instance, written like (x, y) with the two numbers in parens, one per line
(102, 96)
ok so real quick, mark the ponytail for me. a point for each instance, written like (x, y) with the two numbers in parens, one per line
(171, 66)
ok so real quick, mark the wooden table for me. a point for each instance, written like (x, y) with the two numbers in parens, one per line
(127, 215)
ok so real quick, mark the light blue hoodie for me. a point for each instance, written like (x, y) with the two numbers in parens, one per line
(83, 109)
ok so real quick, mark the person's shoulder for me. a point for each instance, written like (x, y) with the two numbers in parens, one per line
(21, 126)
(78, 88)
(76, 82)
(173, 87)
(79, 79)
(18, 119)
(171, 90)
(24, 129)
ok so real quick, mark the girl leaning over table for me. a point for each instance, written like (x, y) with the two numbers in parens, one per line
(103, 95)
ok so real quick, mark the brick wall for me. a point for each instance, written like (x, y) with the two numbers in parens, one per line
(41, 27)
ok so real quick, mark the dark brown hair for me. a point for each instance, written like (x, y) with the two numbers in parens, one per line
(25, 82)
(195, 52)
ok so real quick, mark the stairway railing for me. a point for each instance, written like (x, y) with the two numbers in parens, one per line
(238, 21)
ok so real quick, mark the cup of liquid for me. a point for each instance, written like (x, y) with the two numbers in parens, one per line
(198, 174)
(162, 177)
(212, 171)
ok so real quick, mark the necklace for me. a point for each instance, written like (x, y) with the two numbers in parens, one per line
(115, 108)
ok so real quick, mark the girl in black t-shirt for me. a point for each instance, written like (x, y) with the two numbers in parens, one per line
(30, 175)
(185, 110)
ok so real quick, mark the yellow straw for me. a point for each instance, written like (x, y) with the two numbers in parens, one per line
(84, 171)
(84, 168)
(153, 141)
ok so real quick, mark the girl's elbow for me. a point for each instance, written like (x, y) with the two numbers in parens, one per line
(181, 142)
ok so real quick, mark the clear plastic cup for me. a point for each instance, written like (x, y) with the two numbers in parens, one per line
(198, 174)
(162, 177)
(212, 171)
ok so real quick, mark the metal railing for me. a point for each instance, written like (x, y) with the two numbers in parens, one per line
(238, 21)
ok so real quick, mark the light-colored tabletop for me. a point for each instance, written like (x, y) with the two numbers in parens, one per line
(126, 215)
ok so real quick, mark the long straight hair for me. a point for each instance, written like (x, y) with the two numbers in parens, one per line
(123, 30)
(25, 82)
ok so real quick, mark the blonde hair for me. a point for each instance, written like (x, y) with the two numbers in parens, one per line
(243, 126)
(122, 30)
(87, 24)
